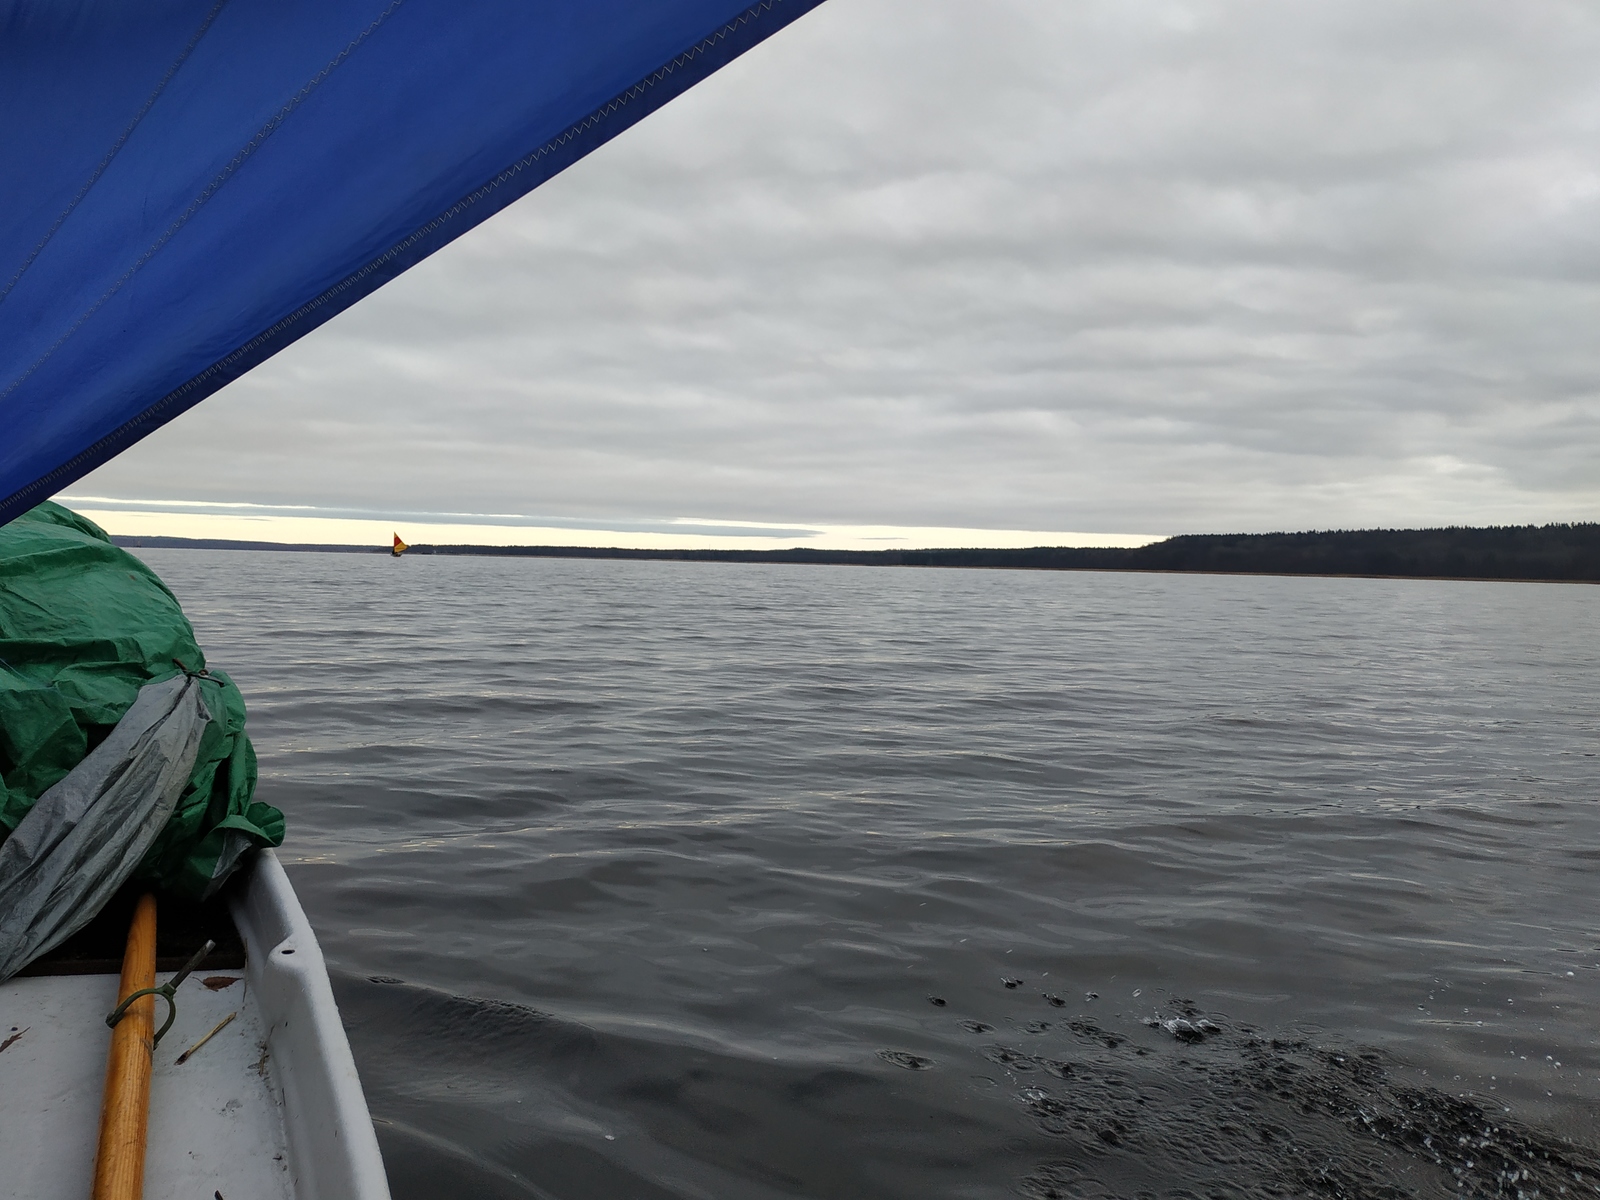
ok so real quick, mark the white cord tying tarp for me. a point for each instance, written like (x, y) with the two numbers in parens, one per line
(85, 835)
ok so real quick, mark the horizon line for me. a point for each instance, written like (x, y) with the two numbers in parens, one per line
(314, 525)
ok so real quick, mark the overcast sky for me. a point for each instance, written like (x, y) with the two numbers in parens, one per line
(1027, 264)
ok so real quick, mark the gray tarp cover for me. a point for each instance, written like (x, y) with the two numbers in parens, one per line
(84, 836)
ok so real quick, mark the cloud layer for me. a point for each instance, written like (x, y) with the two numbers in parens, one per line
(1234, 265)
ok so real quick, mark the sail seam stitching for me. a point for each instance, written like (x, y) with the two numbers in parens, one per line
(199, 202)
(116, 148)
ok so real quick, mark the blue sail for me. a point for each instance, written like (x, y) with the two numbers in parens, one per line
(188, 186)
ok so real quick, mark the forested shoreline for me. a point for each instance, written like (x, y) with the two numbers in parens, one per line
(1567, 552)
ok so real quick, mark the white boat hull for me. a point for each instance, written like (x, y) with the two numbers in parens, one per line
(270, 1108)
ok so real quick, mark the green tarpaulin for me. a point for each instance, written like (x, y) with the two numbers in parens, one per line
(83, 626)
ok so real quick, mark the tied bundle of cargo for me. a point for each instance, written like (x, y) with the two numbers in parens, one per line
(132, 853)
(122, 758)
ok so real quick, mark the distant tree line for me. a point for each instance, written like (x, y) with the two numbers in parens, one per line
(1550, 552)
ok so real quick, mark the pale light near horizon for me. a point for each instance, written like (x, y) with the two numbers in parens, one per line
(255, 523)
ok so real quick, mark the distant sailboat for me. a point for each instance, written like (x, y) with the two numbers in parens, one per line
(399, 547)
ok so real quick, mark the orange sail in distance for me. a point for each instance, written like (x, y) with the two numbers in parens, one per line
(399, 547)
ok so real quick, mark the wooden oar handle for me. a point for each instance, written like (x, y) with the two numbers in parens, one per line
(125, 1113)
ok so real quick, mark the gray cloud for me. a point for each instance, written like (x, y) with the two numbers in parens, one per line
(1100, 266)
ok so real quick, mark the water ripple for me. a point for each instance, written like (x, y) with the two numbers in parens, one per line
(637, 877)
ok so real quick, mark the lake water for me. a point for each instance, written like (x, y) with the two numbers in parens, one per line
(649, 879)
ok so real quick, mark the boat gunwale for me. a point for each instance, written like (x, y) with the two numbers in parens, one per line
(333, 1147)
